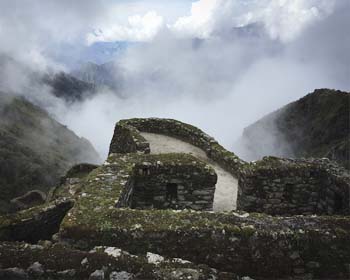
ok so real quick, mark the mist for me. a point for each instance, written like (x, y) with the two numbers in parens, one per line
(220, 74)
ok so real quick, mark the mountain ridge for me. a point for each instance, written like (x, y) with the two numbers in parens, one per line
(317, 125)
(35, 150)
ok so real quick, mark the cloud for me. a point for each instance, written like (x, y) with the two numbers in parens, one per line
(282, 19)
(224, 82)
(239, 61)
(286, 19)
(29, 29)
(139, 28)
(201, 21)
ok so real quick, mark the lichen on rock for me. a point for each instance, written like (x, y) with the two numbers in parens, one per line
(127, 214)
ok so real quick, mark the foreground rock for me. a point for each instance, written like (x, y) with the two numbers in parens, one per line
(54, 261)
(32, 225)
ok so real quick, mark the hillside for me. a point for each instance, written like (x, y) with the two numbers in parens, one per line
(68, 87)
(35, 150)
(16, 76)
(317, 125)
(100, 75)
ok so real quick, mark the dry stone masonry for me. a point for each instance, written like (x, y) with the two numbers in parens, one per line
(294, 187)
(144, 214)
(185, 183)
(127, 138)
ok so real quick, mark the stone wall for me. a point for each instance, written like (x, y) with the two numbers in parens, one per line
(262, 247)
(54, 261)
(174, 181)
(175, 186)
(255, 245)
(127, 139)
(291, 187)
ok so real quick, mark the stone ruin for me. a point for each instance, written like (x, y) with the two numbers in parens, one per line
(292, 219)
(294, 187)
(189, 184)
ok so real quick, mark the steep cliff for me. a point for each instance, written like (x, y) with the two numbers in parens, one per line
(317, 125)
(68, 87)
(35, 150)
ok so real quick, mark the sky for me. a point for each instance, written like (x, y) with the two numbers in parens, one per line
(218, 64)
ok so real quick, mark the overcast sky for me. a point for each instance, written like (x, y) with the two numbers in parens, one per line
(219, 64)
(43, 24)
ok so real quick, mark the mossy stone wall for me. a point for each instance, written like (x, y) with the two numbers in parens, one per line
(127, 139)
(292, 187)
(175, 186)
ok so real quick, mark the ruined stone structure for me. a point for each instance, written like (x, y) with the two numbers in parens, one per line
(138, 202)
(127, 138)
(294, 187)
(179, 185)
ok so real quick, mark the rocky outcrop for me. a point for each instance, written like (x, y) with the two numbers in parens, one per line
(80, 170)
(54, 261)
(35, 150)
(294, 187)
(29, 200)
(71, 183)
(32, 225)
(317, 125)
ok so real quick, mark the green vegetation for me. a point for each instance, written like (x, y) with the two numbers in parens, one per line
(35, 150)
(317, 125)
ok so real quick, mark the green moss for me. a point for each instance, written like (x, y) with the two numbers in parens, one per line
(101, 189)
(190, 134)
(12, 219)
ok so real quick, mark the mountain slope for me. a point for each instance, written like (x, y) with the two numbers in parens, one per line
(317, 125)
(35, 150)
(68, 87)
(16, 76)
(100, 75)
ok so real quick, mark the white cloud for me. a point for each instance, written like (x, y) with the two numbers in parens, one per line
(286, 19)
(221, 84)
(201, 21)
(29, 29)
(139, 28)
(283, 19)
